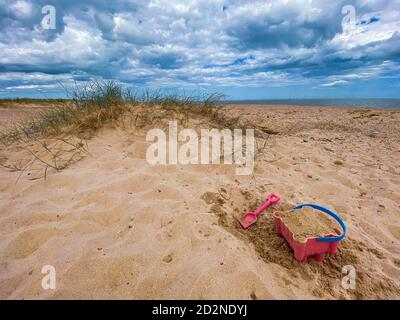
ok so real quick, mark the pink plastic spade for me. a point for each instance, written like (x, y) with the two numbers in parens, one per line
(251, 217)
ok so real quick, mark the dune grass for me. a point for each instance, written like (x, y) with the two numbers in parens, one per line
(57, 136)
(93, 105)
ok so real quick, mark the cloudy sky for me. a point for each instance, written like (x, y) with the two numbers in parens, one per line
(246, 49)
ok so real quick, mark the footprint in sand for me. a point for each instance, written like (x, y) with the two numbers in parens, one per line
(167, 258)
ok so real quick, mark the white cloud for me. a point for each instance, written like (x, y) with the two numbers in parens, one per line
(33, 86)
(21, 8)
(201, 43)
(334, 83)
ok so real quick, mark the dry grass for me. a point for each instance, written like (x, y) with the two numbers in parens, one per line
(38, 155)
(56, 136)
(97, 103)
(90, 107)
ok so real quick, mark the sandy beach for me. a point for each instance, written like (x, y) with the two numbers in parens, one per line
(114, 226)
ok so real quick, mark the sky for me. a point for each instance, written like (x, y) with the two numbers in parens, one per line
(280, 49)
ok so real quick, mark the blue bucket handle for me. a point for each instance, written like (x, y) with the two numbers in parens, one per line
(333, 215)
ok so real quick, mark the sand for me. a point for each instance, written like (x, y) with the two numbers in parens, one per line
(114, 226)
(306, 223)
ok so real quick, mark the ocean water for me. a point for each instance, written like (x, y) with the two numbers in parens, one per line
(368, 103)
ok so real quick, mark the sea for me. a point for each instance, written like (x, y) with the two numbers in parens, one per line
(367, 103)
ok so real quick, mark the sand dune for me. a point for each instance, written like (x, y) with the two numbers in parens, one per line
(115, 226)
